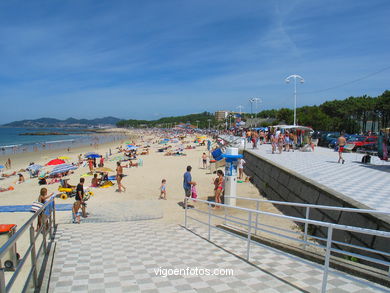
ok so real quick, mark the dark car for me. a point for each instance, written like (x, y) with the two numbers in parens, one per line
(326, 137)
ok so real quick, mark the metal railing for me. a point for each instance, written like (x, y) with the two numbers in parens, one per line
(47, 229)
(253, 227)
(308, 208)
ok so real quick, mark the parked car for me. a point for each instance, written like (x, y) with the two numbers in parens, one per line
(362, 140)
(333, 142)
(326, 137)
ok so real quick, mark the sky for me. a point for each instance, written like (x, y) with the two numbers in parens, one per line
(152, 59)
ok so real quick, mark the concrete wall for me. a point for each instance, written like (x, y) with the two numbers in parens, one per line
(281, 184)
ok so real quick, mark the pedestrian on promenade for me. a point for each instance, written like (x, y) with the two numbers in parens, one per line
(341, 142)
(163, 189)
(280, 143)
(204, 160)
(187, 183)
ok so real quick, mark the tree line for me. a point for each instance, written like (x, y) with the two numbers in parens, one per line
(350, 115)
(202, 120)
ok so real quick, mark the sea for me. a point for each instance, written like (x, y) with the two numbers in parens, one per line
(12, 142)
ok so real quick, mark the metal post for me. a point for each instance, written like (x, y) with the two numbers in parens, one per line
(2, 281)
(185, 211)
(306, 226)
(54, 214)
(295, 101)
(257, 216)
(249, 235)
(327, 258)
(209, 234)
(224, 221)
(33, 257)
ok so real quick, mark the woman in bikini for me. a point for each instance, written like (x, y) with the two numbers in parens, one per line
(219, 184)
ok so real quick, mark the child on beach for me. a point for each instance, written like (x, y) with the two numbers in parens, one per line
(163, 189)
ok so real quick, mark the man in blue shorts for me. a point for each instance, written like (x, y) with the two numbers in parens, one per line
(187, 182)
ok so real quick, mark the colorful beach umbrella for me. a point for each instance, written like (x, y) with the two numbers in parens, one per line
(131, 147)
(92, 156)
(62, 169)
(55, 162)
(63, 158)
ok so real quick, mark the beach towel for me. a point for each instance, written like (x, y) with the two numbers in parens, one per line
(27, 208)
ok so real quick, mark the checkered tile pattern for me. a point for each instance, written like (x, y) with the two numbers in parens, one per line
(123, 257)
(292, 270)
(365, 183)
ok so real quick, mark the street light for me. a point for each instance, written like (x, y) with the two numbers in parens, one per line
(301, 80)
(254, 100)
(239, 107)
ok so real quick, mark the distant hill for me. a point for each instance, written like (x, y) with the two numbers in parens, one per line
(70, 122)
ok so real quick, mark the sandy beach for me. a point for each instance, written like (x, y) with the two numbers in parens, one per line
(142, 183)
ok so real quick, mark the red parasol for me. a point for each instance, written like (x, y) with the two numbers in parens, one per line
(55, 162)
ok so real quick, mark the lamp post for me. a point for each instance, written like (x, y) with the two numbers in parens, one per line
(301, 80)
(239, 107)
(253, 100)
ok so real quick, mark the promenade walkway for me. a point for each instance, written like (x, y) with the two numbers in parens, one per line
(366, 183)
(125, 256)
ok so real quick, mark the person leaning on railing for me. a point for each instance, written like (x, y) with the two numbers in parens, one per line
(42, 218)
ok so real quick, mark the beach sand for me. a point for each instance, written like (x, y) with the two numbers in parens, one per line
(142, 185)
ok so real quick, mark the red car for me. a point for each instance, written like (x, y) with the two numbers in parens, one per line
(359, 141)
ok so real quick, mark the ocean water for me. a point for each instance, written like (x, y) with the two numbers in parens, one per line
(12, 142)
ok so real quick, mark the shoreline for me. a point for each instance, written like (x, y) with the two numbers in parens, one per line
(21, 160)
(86, 138)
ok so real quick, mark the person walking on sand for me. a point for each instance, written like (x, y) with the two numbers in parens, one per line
(219, 186)
(187, 183)
(204, 160)
(90, 165)
(119, 177)
(79, 203)
(240, 167)
(163, 189)
(341, 142)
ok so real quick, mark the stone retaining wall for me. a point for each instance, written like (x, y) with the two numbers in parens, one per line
(278, 183)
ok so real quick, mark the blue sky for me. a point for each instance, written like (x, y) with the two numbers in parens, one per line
(148, 59)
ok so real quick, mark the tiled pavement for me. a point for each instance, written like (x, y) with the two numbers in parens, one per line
(365, 183)
(123, 257)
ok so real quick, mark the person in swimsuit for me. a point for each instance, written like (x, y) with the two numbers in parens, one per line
(42, 218)
(119, 177)
(219, 184)
(204, 160)
(341, 142)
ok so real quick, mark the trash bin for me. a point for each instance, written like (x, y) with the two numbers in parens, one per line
(9, 260)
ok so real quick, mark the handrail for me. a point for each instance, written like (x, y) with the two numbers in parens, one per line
(20, 231)
(329, 241)
(47, 228)
(324, 207)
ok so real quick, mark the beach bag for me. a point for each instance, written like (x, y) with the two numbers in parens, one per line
(36, 206)
(194, 194)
